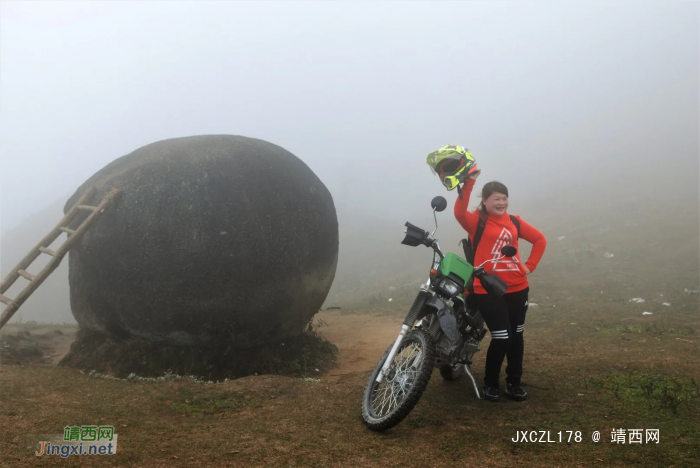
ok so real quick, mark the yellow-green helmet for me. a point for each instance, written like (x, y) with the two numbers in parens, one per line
(452, 163)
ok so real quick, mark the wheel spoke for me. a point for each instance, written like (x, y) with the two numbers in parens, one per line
(385, 406)
(405, 359)
(401, 357)
(388, 399)
(393, 397)
(385, 400)
(391, 392)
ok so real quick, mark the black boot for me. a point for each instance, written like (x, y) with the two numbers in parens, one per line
(491, 393)
(516, 392)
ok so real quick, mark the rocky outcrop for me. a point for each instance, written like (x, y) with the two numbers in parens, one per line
(223, 239)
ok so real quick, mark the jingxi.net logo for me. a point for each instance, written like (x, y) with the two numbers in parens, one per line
(81, 440)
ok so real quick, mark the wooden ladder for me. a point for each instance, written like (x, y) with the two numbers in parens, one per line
(57, 255)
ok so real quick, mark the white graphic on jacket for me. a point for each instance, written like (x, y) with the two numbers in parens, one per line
(507, 263)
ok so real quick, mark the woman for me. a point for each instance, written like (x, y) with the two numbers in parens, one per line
(504, 316)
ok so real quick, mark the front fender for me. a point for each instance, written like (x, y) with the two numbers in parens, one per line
(448, 322)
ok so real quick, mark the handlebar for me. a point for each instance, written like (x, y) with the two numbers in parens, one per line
(490, 282)
(494, 285)
(494, 260)
(416, 236)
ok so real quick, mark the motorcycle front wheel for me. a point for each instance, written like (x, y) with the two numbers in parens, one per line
(386, 404)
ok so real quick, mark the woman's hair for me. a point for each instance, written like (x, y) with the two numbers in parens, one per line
(488, 189)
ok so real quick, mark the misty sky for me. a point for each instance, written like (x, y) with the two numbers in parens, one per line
(541, 92)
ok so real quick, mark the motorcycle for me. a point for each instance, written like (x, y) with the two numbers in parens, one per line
(442, 329)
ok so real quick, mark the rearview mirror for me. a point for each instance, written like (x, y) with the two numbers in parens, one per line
(439, 203)
(509, 251)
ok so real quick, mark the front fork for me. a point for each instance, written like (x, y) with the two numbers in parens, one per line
(411, 318)
(392, 354)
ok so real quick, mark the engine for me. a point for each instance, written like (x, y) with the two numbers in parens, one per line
(447, 350)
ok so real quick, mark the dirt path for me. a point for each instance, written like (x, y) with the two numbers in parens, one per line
(61, 346)
(361, 338)
(41, 344)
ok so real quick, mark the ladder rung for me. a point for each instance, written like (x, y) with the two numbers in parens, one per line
(25, 274)
(48, 251)
(42, 247)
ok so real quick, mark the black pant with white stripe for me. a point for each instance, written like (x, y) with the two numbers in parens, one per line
(505, 317)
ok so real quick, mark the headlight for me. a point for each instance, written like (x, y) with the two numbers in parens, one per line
(449, 286)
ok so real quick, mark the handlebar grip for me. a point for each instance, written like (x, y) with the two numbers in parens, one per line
(414, 235)
(493, 284)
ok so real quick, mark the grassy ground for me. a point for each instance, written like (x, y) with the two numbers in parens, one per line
(608, 372)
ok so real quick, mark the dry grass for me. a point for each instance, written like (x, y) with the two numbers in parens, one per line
(583, 376)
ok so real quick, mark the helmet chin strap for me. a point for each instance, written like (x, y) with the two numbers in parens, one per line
(459, 190)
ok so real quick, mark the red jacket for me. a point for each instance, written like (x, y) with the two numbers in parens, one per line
(499, 231)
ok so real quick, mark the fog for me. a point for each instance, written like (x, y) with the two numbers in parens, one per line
(586, 111)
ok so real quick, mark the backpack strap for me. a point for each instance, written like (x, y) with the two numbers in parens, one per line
(469, 245)
(473, 244)
(516, 222)
(479, 230)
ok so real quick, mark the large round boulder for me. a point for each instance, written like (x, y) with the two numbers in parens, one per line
(213, 239)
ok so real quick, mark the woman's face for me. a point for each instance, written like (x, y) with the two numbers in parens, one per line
(496, 204)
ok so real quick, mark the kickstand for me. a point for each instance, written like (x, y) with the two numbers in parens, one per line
(476, 388)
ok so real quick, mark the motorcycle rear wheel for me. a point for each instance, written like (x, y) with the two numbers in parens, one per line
(386, 404)
(450, 373)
